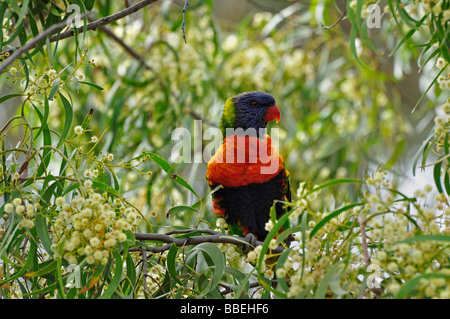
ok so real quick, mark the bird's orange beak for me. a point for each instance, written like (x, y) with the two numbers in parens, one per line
(273, 113)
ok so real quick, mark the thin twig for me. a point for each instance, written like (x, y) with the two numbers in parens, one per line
(144, 268)
(70, 33)
(197, 116)
(185, 268)
(442, 159)
(377, 291)
(186, 3)
(362, 225)
(187, 231)
(33, 43)
(337, 22)
(255, 284)
(195, 240)
(126, 47)
(261, 7)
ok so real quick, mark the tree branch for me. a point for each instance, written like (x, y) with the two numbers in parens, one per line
(213, 237)
(197, 116)
(126, 47)
(10, 58)
(144, 268)
(255, 284)
(362, 225)
(69, 33)
(186, 3)
(337, 22)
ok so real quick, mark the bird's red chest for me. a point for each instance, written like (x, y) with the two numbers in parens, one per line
(243, 160)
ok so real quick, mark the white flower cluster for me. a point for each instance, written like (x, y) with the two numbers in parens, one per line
(27, 211)
(5, 27)
(389, 221)
(89, 227)
(442, 121)
(444, 79)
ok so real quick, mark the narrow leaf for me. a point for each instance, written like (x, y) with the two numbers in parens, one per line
(331, 216)
(68, 119)
(116, 277)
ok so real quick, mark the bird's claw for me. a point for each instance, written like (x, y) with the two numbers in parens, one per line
(251, 240)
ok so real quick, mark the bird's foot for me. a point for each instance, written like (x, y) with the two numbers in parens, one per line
(251, 240)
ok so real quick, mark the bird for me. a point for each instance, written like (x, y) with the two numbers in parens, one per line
(247, 167)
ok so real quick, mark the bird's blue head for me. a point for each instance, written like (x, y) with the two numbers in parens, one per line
(249, 110)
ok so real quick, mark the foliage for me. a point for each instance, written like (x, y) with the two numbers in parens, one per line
(87, 170)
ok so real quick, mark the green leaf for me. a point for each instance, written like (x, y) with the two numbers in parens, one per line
(217, 258)
(131, 279)
(447, 182)
(409, 286)
(426, 91)
(10, 96)
(158, 160)
(423, 151)
(18, 29)
(42, 230)
(22, 12)
(409, 34)
(55, 87)
(280, 263)
(362, 26)
(353, 33)
(285, 233)
(89, 4)
(3, 7)
(28, 260)
(181, 181)
(130, 237)
(177, 209)
(46, 152)
(116, 277)
(331, 216)
(83, 11)
(87, 119)
(303, 224)
(431, 56)
(27, 74)
(212, 192)
(353, 50)
(48, 190)
(44, 270)
(334, 183)
(50, 287)
(93, 85)
(71, 188)
(168, 168)
(243, 285)
(43, 118)
(330, 276)
(444, 238)
(437, 176)
(274, 231)
(68, 119)
(106, 188)
(171, 263)
(404, 15)
(10, 233)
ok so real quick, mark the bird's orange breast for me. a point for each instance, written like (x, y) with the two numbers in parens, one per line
(243, 160)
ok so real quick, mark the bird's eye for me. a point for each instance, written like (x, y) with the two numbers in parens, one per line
(254, 104)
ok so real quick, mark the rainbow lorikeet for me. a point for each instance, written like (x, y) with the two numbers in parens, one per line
(248, 167)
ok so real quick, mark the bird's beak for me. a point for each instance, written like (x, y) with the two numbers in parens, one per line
(272, 113)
